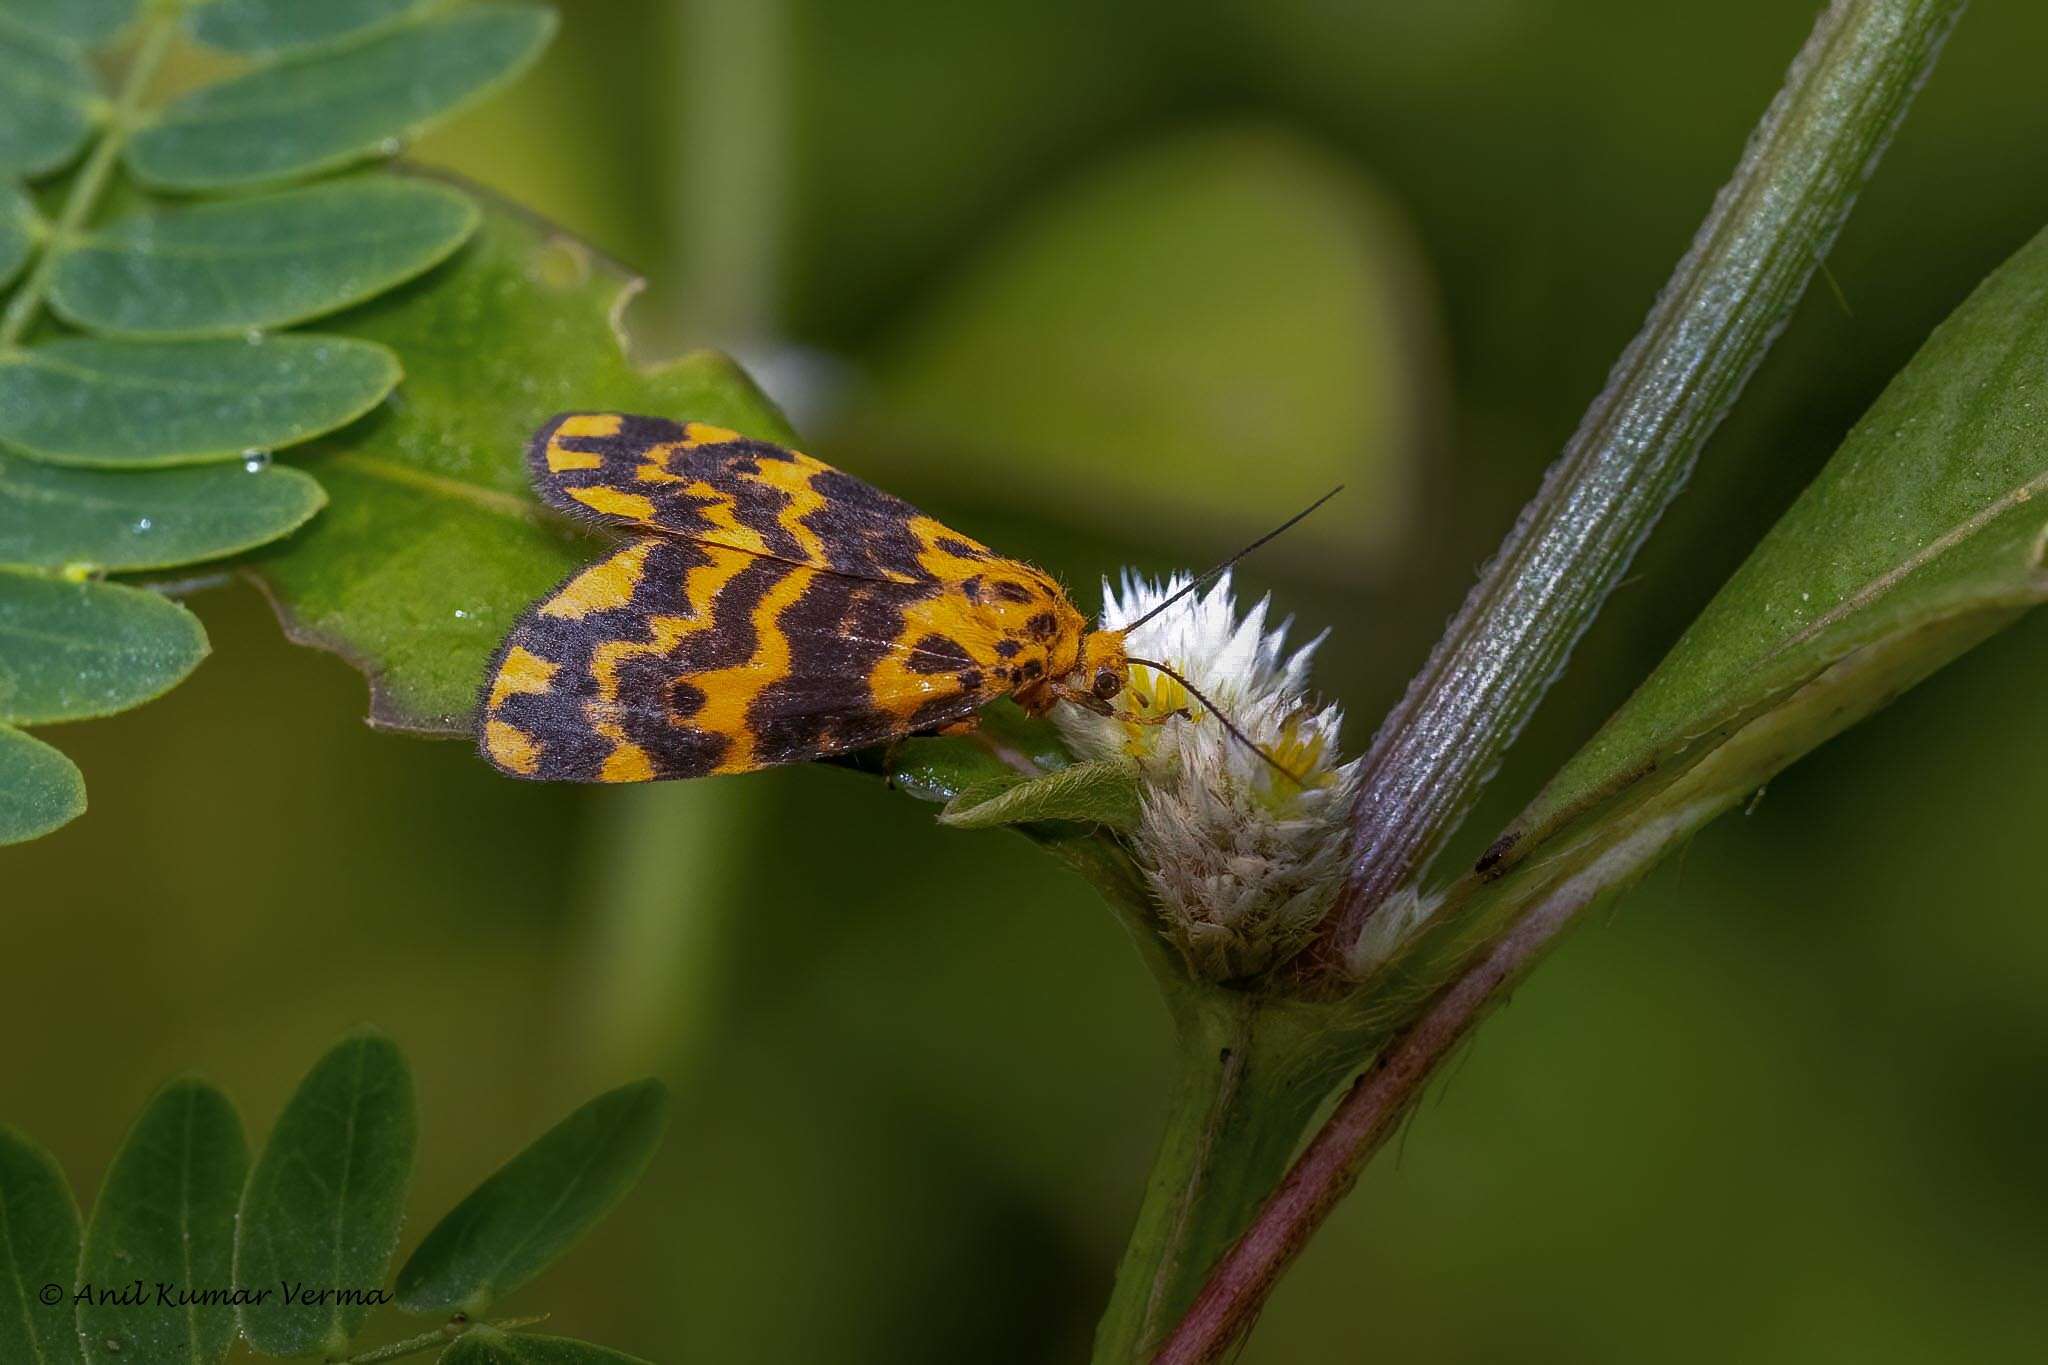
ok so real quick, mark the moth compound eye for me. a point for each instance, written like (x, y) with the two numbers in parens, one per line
(1107, 684)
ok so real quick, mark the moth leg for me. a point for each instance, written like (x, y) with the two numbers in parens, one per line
(1178, 713)
(965, 726)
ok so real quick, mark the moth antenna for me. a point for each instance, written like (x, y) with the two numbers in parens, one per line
(1228, 724)
(1209, 575)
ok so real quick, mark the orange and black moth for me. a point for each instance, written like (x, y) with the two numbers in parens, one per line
(767, 609)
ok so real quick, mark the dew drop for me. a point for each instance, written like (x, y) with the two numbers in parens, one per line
(390, 146)
(143, 524)
(254, 336)
(461, 615)
(255, 460)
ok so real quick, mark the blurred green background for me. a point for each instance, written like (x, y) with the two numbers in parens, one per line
(1110, 284)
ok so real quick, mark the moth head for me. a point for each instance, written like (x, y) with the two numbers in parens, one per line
(1102, 668)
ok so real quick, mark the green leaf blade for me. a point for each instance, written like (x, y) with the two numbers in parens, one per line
(222, 269)
(1927, 529)
(331, 108)
(1100, 793)
(261, 28)
(85, 22)
(131, 404)
(488, 1346)
(433, 542)
(536, 1206)
(73, 651)
(166, 1213)
(19, 227)
(60, 519)
(40, 791)
(48, 100)
(323, 1205)
(38, 1247)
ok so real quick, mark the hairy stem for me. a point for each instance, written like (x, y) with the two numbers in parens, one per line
(85, 192)
(1725, 303)
(1251, 1074)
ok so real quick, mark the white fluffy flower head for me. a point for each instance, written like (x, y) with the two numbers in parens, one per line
(1242, 860)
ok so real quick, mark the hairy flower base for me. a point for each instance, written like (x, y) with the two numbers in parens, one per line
(1242, 860)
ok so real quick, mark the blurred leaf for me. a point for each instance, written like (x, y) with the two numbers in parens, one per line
(518, 1222)
(1926, 531)
(1103, 793)
(47, 102)
(40, 790)
(322, 110)
(433, 543)
(38, 1247)
(222, 269)
(167, 1213)
(87, 22)
(1215, 330)
(57, 518)
(19, 225)
(262, 27)
(325, 1200)
(78, 400)
(482, 1345)
(69, 651)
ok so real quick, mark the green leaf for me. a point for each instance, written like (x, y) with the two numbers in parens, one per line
(222, 269)
(69, 651)
(40, 790)
(483, 1345)
(82, 401)
(1927, 531)
(1220, 302)
(109, 520)
(433, 542)
(48, 101)
(19, 226)
(264, 27)
(327, 109)
(38, 1247)
(1101, 793)
(86, 22)
(166, 1213)
(537, 1205)
(325, 1200)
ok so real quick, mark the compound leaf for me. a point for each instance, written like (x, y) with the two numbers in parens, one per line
(84, 401)
(38, 1247)
(268, 27)
(483, 1345)
(40, 790)
(329, 108)
(19, 225)
(515, 1224)
(70, 651)
(167, 1213)
(113, 520)
(85, 22)
(324, 1203)
(222, 269)
(48, 101)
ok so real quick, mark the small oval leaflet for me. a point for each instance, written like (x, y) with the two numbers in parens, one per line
(72, 651)
(268, 27)
(327, 109)
(84, 401)
(519, 1221)
(47, 98)
(168, 1201)
(324, 1202)
(40, 1219)
(55, 518)
(266, 262)
(40, 790)
(18, 227)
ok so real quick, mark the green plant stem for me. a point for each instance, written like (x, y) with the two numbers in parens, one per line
(1726, 301)
(1252, 1072)
(1844, 95)
(85, 191)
